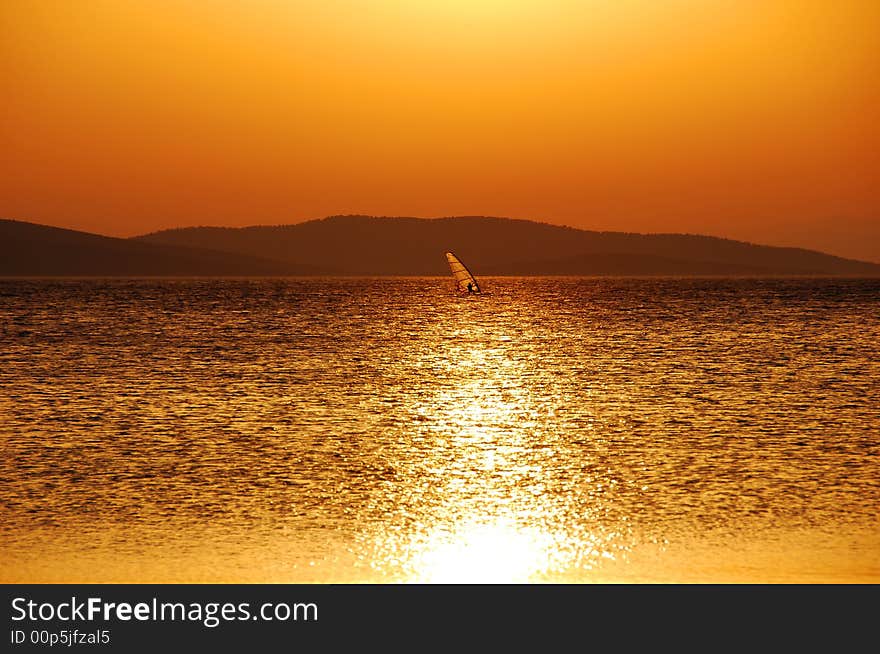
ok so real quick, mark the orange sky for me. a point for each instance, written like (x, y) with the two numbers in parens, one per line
(755, 120)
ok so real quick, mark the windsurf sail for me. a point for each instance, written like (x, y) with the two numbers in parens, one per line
(463, 277)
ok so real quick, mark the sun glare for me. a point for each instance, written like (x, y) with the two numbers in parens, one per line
(484, 553)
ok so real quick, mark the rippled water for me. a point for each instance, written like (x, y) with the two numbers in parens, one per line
(386, 430)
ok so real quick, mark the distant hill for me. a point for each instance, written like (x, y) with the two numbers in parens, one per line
(37, 250)
(366, 245)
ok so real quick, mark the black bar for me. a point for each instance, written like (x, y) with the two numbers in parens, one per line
(336, 617)
(423, 617)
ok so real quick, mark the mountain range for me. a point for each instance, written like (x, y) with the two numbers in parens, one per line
(369, 245)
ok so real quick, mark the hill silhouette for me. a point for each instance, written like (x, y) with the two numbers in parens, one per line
(39, 250)
(368, 245)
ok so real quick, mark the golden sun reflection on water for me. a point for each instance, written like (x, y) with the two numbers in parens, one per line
(492, 515)
(494, 553)
(372, 431)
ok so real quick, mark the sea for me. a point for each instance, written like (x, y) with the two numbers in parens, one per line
(387, 430)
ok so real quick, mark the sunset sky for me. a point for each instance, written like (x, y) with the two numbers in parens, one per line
(755, 120)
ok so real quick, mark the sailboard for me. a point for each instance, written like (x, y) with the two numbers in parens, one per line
(464, 280)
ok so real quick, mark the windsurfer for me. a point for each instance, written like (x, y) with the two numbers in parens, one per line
(464, 280)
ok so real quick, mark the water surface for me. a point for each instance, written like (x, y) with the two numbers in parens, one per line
(386, 430)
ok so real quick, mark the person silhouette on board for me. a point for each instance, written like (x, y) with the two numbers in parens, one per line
(470, 287)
